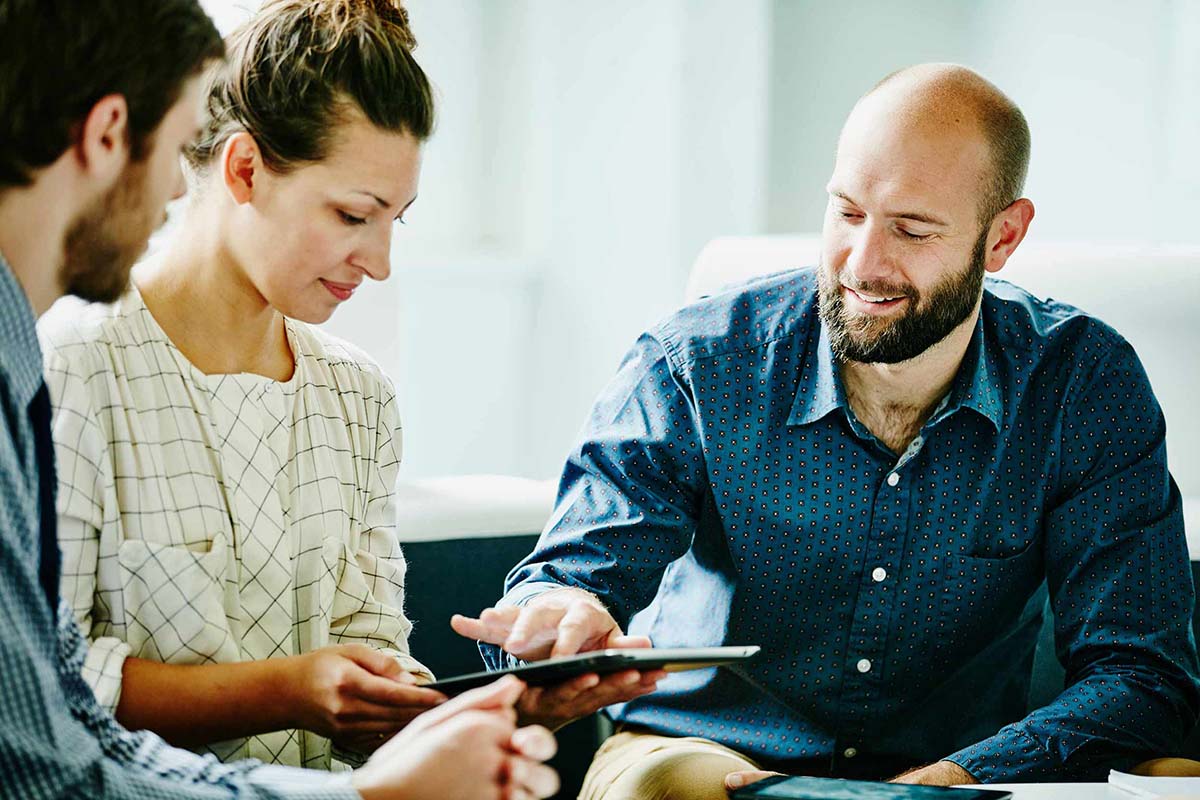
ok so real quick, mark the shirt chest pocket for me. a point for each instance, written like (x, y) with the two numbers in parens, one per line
(982, 596)
(175, 602)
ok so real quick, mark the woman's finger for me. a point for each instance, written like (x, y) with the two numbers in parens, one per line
(355, 711)
(385, 691)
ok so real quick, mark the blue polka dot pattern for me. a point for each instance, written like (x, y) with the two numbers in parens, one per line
(725, 493)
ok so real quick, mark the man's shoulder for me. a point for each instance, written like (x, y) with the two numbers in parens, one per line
(742, 317)
(1044, 327)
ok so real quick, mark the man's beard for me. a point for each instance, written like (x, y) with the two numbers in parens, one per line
(106, 239)
(927, 320)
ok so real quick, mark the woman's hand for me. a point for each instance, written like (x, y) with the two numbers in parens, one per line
(353, 694)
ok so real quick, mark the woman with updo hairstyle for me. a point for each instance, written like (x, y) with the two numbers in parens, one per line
(226, 469)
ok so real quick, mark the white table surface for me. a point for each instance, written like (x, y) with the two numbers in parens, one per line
(1059, 791)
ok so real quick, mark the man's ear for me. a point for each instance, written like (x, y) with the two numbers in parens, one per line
(241, 166)
(1007, 231)
(103, 147)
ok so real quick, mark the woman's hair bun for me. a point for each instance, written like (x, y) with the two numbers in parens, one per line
(297, 66)
(394, 11)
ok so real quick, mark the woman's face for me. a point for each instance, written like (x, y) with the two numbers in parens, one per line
(307, 239)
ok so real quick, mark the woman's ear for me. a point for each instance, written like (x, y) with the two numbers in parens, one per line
(241, 166)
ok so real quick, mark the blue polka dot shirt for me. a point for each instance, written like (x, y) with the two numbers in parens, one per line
(723, 492)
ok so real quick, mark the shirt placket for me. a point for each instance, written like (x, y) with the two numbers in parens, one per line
(265, 575)
(867, 645)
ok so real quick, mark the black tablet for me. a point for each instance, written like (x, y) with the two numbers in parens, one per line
(603, 662)
(784, 788)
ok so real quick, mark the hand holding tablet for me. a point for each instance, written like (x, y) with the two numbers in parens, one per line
(603, 662)
(559, 623)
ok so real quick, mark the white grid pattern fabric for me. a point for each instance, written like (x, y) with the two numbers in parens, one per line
(222, 518)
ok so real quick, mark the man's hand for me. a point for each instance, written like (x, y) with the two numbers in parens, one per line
(562, 622)
(941, 773)
(555, 706)
(468, 748)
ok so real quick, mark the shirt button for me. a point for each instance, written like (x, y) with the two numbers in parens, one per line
(893, 479)
(879, 575)
(850, 752)
(864, 665)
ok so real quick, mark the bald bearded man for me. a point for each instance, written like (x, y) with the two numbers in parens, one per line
(870, 469)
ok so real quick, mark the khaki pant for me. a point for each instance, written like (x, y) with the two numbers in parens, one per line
(632, 765)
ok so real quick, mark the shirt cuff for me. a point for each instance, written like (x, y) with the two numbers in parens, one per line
(523, 593)
(1009, 756)
(103, 669)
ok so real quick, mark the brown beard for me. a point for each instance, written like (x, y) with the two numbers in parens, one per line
(106, 239)
(928, 319)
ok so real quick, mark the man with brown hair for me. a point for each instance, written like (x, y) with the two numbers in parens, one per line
(98, 101)
(870, 469)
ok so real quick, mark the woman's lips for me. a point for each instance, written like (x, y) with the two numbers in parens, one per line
(342, 291)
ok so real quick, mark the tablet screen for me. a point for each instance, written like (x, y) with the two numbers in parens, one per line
(834, 789)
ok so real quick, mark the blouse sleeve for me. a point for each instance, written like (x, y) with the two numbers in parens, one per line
(369, 602)
(84, 470)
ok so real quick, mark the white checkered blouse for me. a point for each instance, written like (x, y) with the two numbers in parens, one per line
(222, 518)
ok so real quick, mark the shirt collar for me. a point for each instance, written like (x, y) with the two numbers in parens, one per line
(20, 354)
(820, 389)
(975, 385)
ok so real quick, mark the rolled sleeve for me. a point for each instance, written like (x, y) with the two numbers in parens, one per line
(103, 669)
(369, 599)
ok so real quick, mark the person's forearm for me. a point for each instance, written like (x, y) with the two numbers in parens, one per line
(191, 705)
(941, 773)
(1132, 711)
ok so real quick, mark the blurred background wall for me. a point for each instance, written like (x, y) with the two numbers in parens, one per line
(586, 151)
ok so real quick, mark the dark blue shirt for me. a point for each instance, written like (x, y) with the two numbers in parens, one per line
(725, 493)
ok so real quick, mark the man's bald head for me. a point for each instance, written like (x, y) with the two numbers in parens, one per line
(952, 99)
